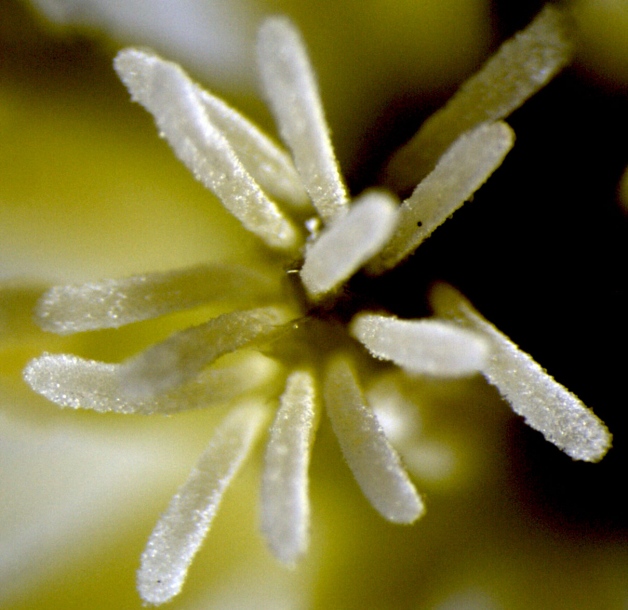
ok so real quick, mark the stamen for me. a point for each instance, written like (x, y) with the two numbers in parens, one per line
(374, 463)
(545, 405)
(349, 242)
(427, 346)
(113, 303)
(70, 381)
(522, 66)
(181, 356)
(264, 159)
(461, 171)
(164, 89)
(285, 498)
(290, 86)
(183, 527)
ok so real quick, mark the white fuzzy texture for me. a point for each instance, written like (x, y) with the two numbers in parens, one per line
(269, 164)
(285, 518)
(182, 528)
(349, 242)
(545, 404)
(290, 86)
(461, 171)
(164, 89)
(427, 346)
(373, 461)
(113, 303)
(522, 66)
(178, 359)
(70, 381)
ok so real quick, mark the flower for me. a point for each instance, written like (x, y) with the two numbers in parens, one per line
(303, 300)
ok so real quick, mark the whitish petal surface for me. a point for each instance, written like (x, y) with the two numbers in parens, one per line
(69, 488)
(169, 94)
(285, 498)
(181, 357)
(213, 37)
(349, 242)
(269, 164)
(374, 463)
(182, 528)
(70, 381)
(113, 303)
(546, 405)
(427, 347)
(290, 86)
(460, 172)
(521, 66)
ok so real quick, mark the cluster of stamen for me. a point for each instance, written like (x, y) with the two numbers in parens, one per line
(310, 316)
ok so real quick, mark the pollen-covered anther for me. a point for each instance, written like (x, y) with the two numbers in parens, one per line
(181, 357)
(375, 464)
(290, 86)
(113, 303)
(545, 404)
(70, 381)
(285, 500)
(427, 346)
(522, 66)
(181, 530)
(349, 242)
(181, 115)
(459, 173)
